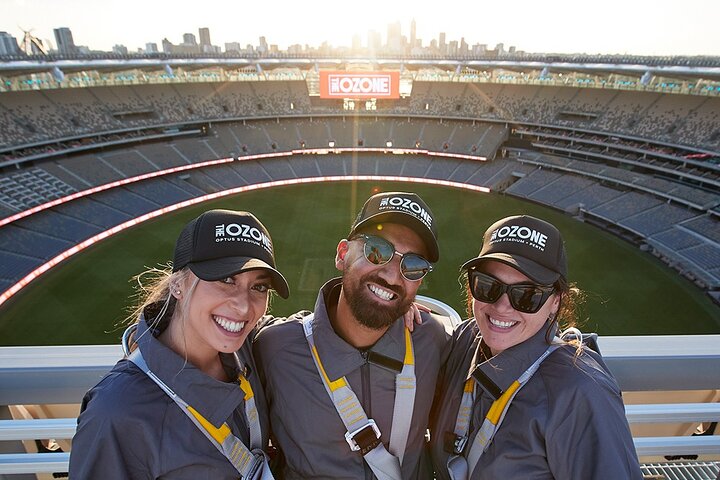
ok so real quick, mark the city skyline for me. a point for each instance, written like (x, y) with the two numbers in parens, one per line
(553, 26)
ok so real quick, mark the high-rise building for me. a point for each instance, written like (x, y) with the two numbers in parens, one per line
(374, 41)
(151, 47)
(189, 45)
(167, 46)
(205, 37)
(480, 49)
(8, 44)
(394, 37)
(189, 39)
(64, 40)
(441, 43)
(233, 47)
(413, 34)
(120, 49)
(295, 49)
(263, 47)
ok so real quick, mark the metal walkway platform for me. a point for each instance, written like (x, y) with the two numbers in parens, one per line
(681, 471)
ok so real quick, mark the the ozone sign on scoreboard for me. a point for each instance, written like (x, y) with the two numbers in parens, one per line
(359, 84)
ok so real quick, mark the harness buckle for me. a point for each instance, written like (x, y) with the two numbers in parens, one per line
(256, 468)
(454, 443)
(459, 444)
(364, 438)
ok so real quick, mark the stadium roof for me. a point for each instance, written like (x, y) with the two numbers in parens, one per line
(671, 67)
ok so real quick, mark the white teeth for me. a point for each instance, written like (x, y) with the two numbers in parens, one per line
(384, 294)
(232, 327)
(501, 324)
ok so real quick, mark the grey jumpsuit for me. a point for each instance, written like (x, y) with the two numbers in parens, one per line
(305, 424)
(130, 429)
(568, 422)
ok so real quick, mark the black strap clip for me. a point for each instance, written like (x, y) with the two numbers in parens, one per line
(454, 443)
(364, 438)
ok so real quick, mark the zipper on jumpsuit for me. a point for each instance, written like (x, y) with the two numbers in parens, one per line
(366, 402)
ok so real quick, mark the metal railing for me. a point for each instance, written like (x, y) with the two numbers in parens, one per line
(683, 365)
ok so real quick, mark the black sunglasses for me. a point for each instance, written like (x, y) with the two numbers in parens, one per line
(524, 297)
(379, 251)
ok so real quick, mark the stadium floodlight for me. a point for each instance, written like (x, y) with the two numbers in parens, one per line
(388, 144)
(331, 144)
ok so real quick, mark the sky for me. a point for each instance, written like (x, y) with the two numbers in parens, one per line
(638, 27)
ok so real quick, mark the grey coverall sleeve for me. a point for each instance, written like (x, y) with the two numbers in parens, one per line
(109, 445)
(588, 434)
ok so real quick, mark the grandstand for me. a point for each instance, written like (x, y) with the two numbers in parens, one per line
(642, 163)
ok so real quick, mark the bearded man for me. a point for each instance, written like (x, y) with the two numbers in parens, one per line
(349, 387)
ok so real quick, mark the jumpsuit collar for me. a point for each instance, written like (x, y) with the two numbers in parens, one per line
(339, 357)
(507, 366)
(215, 400)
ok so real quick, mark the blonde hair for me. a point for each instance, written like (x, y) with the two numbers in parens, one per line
(153, 298)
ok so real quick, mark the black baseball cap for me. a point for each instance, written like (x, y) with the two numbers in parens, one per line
(222, 243)
(528, 244)
(404, 208)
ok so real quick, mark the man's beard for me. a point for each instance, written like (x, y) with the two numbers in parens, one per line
(372, 314)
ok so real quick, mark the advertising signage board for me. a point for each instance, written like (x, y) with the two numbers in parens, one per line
(359, 84)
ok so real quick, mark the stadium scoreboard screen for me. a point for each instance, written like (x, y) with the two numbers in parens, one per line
(357, 85)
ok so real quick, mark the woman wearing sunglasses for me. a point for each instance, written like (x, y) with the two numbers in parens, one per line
(187, 403)
(516, 400)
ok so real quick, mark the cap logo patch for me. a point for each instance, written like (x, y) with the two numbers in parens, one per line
(524, 235)
(407, 205)
(234, 232)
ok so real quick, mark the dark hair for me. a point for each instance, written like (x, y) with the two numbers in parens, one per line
(571, 298)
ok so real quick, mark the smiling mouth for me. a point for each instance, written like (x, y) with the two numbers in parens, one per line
(230, 326)
(500, 324)
(382, 293)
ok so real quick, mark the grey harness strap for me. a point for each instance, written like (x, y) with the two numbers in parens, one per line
(460, 467)
(363, 434)
(251, 464)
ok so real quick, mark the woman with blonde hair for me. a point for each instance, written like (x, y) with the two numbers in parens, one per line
(187, 403)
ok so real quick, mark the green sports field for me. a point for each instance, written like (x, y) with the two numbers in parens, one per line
(83, 300)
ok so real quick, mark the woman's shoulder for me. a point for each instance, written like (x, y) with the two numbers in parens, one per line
(463, 344)
(280, 330)
(466, 332)
(122, 393)
(579, 371)
(121, 417)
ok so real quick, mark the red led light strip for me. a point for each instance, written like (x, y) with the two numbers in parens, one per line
(262, 156)
(248, 188)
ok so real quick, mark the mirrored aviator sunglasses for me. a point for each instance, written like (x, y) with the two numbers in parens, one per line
(379, 251)
(524, 297)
